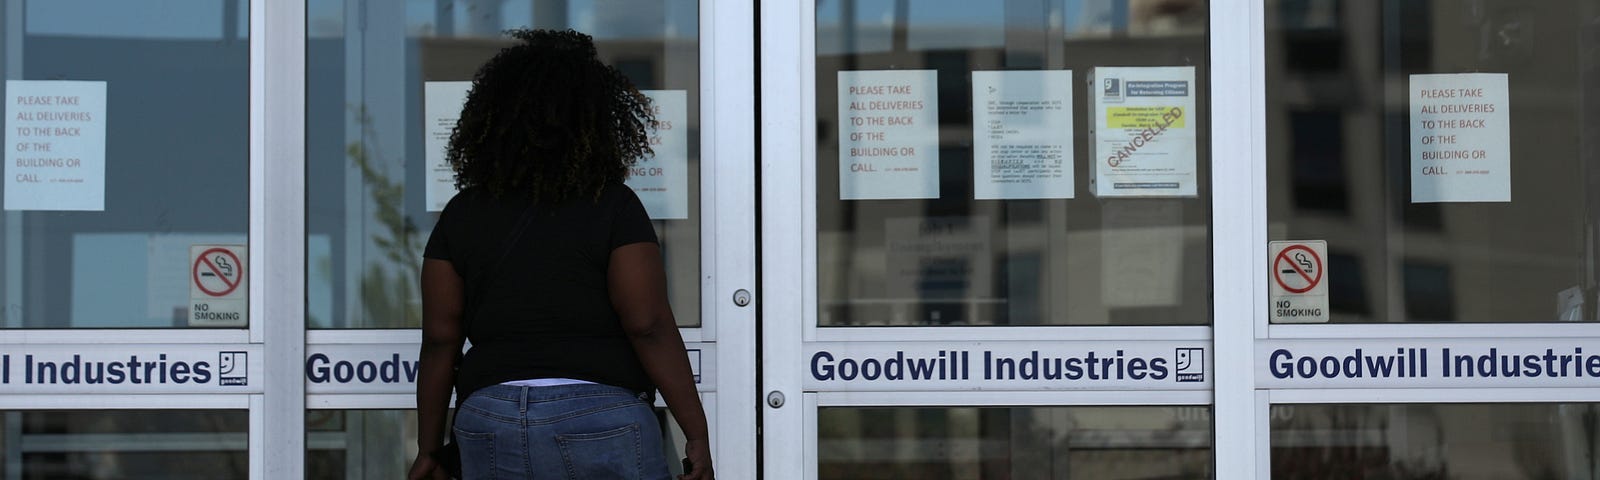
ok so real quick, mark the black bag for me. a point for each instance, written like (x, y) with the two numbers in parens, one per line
(449, 456)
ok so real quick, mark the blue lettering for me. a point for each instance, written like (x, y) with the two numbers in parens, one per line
(116, 373)
(848, 369)
(922, 368)
(871, 369)
(1074, 368)
(822, 371)
(202, 372)
(343, 372)
(366, 372)
(1158, 367)
(315, 371)
(1381, 366)
(411, 370)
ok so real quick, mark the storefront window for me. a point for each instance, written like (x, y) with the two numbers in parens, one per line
(1445, 151)
(1012, 163)
(168, 444)
(1045, 443)
(126, 178)
(1501, 441)
(385, 81)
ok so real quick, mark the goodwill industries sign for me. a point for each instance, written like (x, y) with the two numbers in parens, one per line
(1433, 363)
(900, 366)
(130, 369)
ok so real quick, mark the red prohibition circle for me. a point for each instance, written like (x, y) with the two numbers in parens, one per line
(1277, 275)
(205, 261)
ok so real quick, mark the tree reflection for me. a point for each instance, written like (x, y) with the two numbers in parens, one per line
(388, 283)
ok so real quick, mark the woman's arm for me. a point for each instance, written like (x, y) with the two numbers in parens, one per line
(638, 287)
(442, 302)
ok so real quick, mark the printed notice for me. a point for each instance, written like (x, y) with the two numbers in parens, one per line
(55, 145)
(1144, 132)
(888, 134)
(662, 180)
(1460, 138)
(441, 107)
(1022, 122)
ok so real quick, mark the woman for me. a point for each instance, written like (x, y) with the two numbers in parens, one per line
(548, 264)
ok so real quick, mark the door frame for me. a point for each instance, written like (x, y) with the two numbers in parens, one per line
(789, 242)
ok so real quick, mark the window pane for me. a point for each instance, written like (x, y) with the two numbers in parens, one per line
(127, 157)
(1033, 442)
(969, 174)
(1458, 441)
(168, 444)
(360, 444)
(371, 78)
(1445, 150)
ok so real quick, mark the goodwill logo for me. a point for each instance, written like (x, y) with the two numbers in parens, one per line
(1149, 365)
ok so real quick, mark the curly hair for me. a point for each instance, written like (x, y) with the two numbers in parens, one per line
(546, 118)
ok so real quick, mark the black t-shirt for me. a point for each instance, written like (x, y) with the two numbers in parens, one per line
(545, 311)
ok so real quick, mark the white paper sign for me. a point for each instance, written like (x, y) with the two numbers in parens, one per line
(55, 145)
(1022, 131)
(888, 134)
(1144, 132)
(1460, 138)
(441, 107)
(662, 181)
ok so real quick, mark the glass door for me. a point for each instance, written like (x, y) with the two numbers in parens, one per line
(989, 224)
(384, 84)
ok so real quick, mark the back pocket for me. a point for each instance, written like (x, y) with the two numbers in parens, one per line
(610, 454)
(477, 454)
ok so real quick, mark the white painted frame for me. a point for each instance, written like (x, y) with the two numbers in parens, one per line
(727, 246)
(1236, 392)
(276, 232)
(788, 224)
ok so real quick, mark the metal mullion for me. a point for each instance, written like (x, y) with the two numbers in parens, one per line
(279, 27)
(785, 239)
(1238, 240)
(730, 70)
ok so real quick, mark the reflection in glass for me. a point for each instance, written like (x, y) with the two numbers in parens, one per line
(361, 444)
(176, 159)
(936, 256)
(1061, 443)
(366, 164)
(165, 444)
(1344, 160)
(1435, 441)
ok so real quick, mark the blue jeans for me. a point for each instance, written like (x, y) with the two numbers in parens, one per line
(569, 431)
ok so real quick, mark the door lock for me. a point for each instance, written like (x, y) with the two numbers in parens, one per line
(741, 297)
(775, 399)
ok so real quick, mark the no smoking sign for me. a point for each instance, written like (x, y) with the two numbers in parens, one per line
(218, 286)
(1299, 281)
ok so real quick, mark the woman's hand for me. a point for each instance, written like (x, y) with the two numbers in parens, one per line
(699, 453)
(426, 469)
